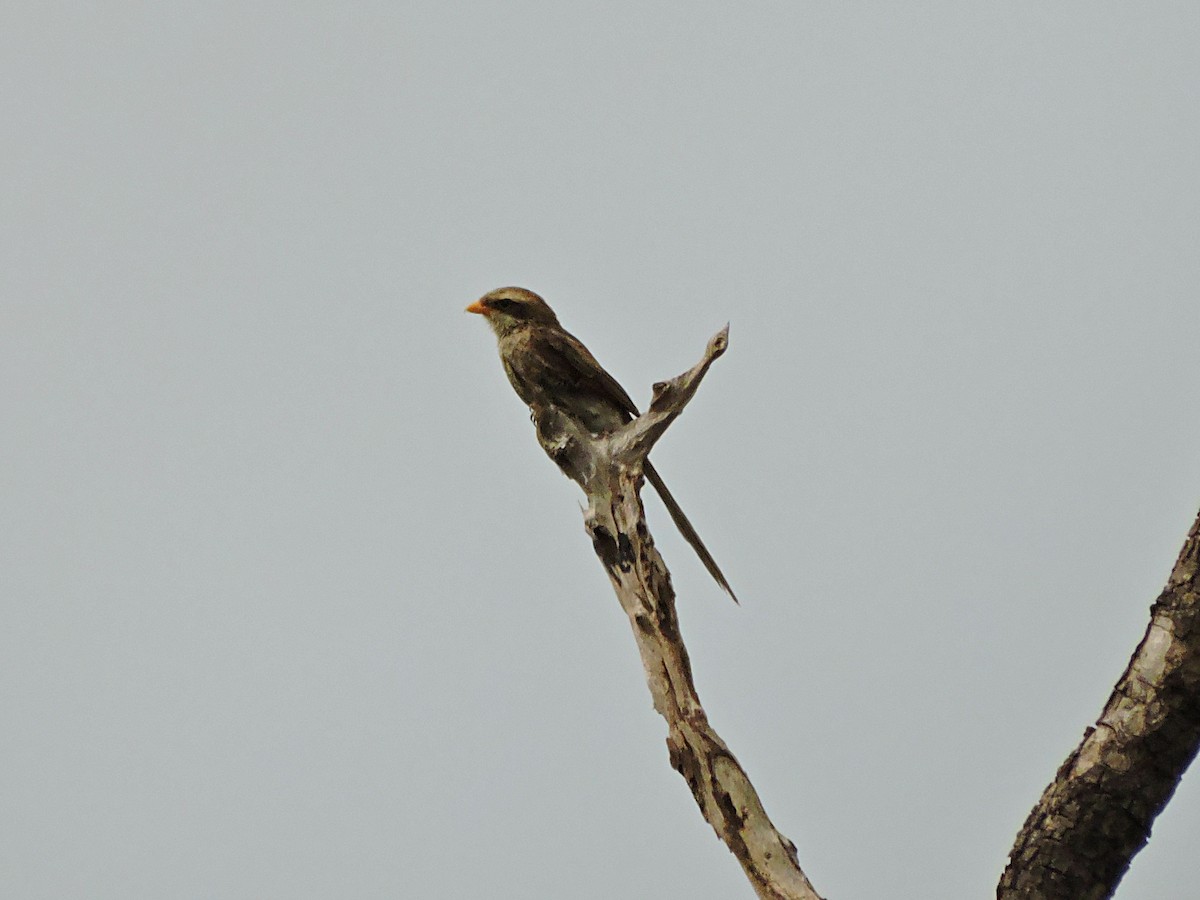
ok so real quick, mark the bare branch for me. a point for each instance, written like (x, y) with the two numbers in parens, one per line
(632, 444)
(610, 471)
(1092, 820)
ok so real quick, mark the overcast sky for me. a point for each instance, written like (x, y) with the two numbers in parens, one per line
(293, 605)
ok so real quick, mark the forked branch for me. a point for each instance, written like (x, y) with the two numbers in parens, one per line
(609, 468)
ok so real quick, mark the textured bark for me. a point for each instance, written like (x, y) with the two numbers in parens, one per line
(1081, 837)
(609, 469)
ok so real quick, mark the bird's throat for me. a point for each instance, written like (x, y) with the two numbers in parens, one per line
(504, 325)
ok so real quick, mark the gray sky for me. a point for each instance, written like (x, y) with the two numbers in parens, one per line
(294, 606)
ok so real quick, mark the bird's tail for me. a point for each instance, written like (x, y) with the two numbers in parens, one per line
(686, 529)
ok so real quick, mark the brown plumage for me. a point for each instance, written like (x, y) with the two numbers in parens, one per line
(547, 365)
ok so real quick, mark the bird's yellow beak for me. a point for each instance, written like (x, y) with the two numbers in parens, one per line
(478, 307)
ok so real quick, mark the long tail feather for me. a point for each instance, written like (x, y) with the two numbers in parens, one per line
(686, 529)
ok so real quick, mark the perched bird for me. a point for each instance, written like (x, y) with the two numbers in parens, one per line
(549, 366)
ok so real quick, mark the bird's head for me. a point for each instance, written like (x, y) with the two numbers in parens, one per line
(509, 308)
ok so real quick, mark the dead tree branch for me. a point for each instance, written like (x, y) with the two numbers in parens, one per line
(609, 468)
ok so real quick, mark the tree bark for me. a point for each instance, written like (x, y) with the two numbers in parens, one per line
(1096, 815)
(609, 468)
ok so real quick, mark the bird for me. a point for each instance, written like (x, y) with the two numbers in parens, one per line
(547, 365)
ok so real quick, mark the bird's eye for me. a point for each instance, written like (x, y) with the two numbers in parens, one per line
(503, 304)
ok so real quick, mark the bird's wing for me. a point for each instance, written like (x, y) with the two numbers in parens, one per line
(563, 353)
